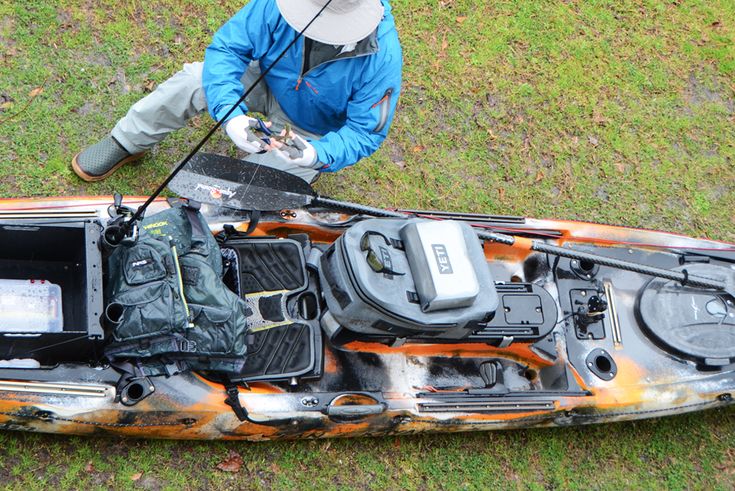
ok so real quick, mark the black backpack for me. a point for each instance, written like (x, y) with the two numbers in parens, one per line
(168, 310)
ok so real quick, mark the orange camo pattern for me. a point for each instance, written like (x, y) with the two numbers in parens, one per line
(633, 393)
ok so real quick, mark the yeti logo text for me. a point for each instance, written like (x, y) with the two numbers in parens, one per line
(442, 259)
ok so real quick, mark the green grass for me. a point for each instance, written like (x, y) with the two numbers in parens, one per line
(694, 451)
(616, 111)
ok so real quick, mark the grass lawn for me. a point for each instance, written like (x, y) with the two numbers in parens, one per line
(605, 110)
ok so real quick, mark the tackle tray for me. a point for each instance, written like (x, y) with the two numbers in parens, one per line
(66, 255)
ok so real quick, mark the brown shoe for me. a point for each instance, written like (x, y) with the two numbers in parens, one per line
(102, 159)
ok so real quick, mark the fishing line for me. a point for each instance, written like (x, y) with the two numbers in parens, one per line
(42, 348)
(141, 210)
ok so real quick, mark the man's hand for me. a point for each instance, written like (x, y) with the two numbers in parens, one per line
(240, 130)
(295, 151)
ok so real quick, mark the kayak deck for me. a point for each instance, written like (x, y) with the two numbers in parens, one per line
(301, 384)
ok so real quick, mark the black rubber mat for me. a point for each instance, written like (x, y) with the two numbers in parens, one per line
(283, 352)
(270, 265)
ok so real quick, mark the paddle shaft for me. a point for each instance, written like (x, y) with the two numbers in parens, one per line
(538, 246)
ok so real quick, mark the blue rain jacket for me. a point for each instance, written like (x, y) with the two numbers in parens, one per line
(350, 100)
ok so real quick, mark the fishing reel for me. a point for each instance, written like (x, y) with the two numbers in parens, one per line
(122, 227)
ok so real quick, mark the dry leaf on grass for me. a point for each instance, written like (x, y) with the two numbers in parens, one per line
(36, 92)
(232, 463)
(136, 476)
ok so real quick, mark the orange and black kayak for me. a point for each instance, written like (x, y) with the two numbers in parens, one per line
(382, 325)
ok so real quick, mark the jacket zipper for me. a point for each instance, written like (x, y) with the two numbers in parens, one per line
(303, 62)
(386, 97)
(180, 281)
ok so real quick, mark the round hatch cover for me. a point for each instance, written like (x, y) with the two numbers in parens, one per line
(693, 323)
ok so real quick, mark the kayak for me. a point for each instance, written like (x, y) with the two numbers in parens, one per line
(387, 322)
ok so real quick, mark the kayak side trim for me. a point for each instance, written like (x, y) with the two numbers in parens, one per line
(568, 418)
(487, 406)
(56, 389)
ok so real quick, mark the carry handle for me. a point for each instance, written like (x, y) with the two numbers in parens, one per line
(354, 411)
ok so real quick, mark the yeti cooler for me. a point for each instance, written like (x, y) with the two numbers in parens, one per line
(442, 270)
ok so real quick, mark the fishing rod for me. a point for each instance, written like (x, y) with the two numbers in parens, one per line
(117, 234)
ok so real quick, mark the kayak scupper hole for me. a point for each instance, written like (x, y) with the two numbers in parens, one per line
(603, 364)
(587, 266)
(530, 374)
(135, 391)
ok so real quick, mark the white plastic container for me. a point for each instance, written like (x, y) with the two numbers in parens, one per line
(30, 306)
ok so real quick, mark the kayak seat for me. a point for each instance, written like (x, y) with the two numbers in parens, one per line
(407, 278)
(267, 273)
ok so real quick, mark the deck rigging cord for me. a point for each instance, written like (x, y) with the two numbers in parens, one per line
(126, 225)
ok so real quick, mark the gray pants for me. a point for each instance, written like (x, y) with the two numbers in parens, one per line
(182, 97)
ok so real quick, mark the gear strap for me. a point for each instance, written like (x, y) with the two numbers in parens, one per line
(233, 400)
(231, 233)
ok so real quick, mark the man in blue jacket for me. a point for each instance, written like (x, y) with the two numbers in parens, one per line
(336, 88)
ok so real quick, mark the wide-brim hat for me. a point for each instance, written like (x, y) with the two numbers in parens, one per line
(342, 22)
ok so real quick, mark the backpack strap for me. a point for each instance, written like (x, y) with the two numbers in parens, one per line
(192, 214)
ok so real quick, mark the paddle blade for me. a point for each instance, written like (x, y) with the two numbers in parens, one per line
(240, 184)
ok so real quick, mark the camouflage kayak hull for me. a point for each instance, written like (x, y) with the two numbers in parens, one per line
(623, 368)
